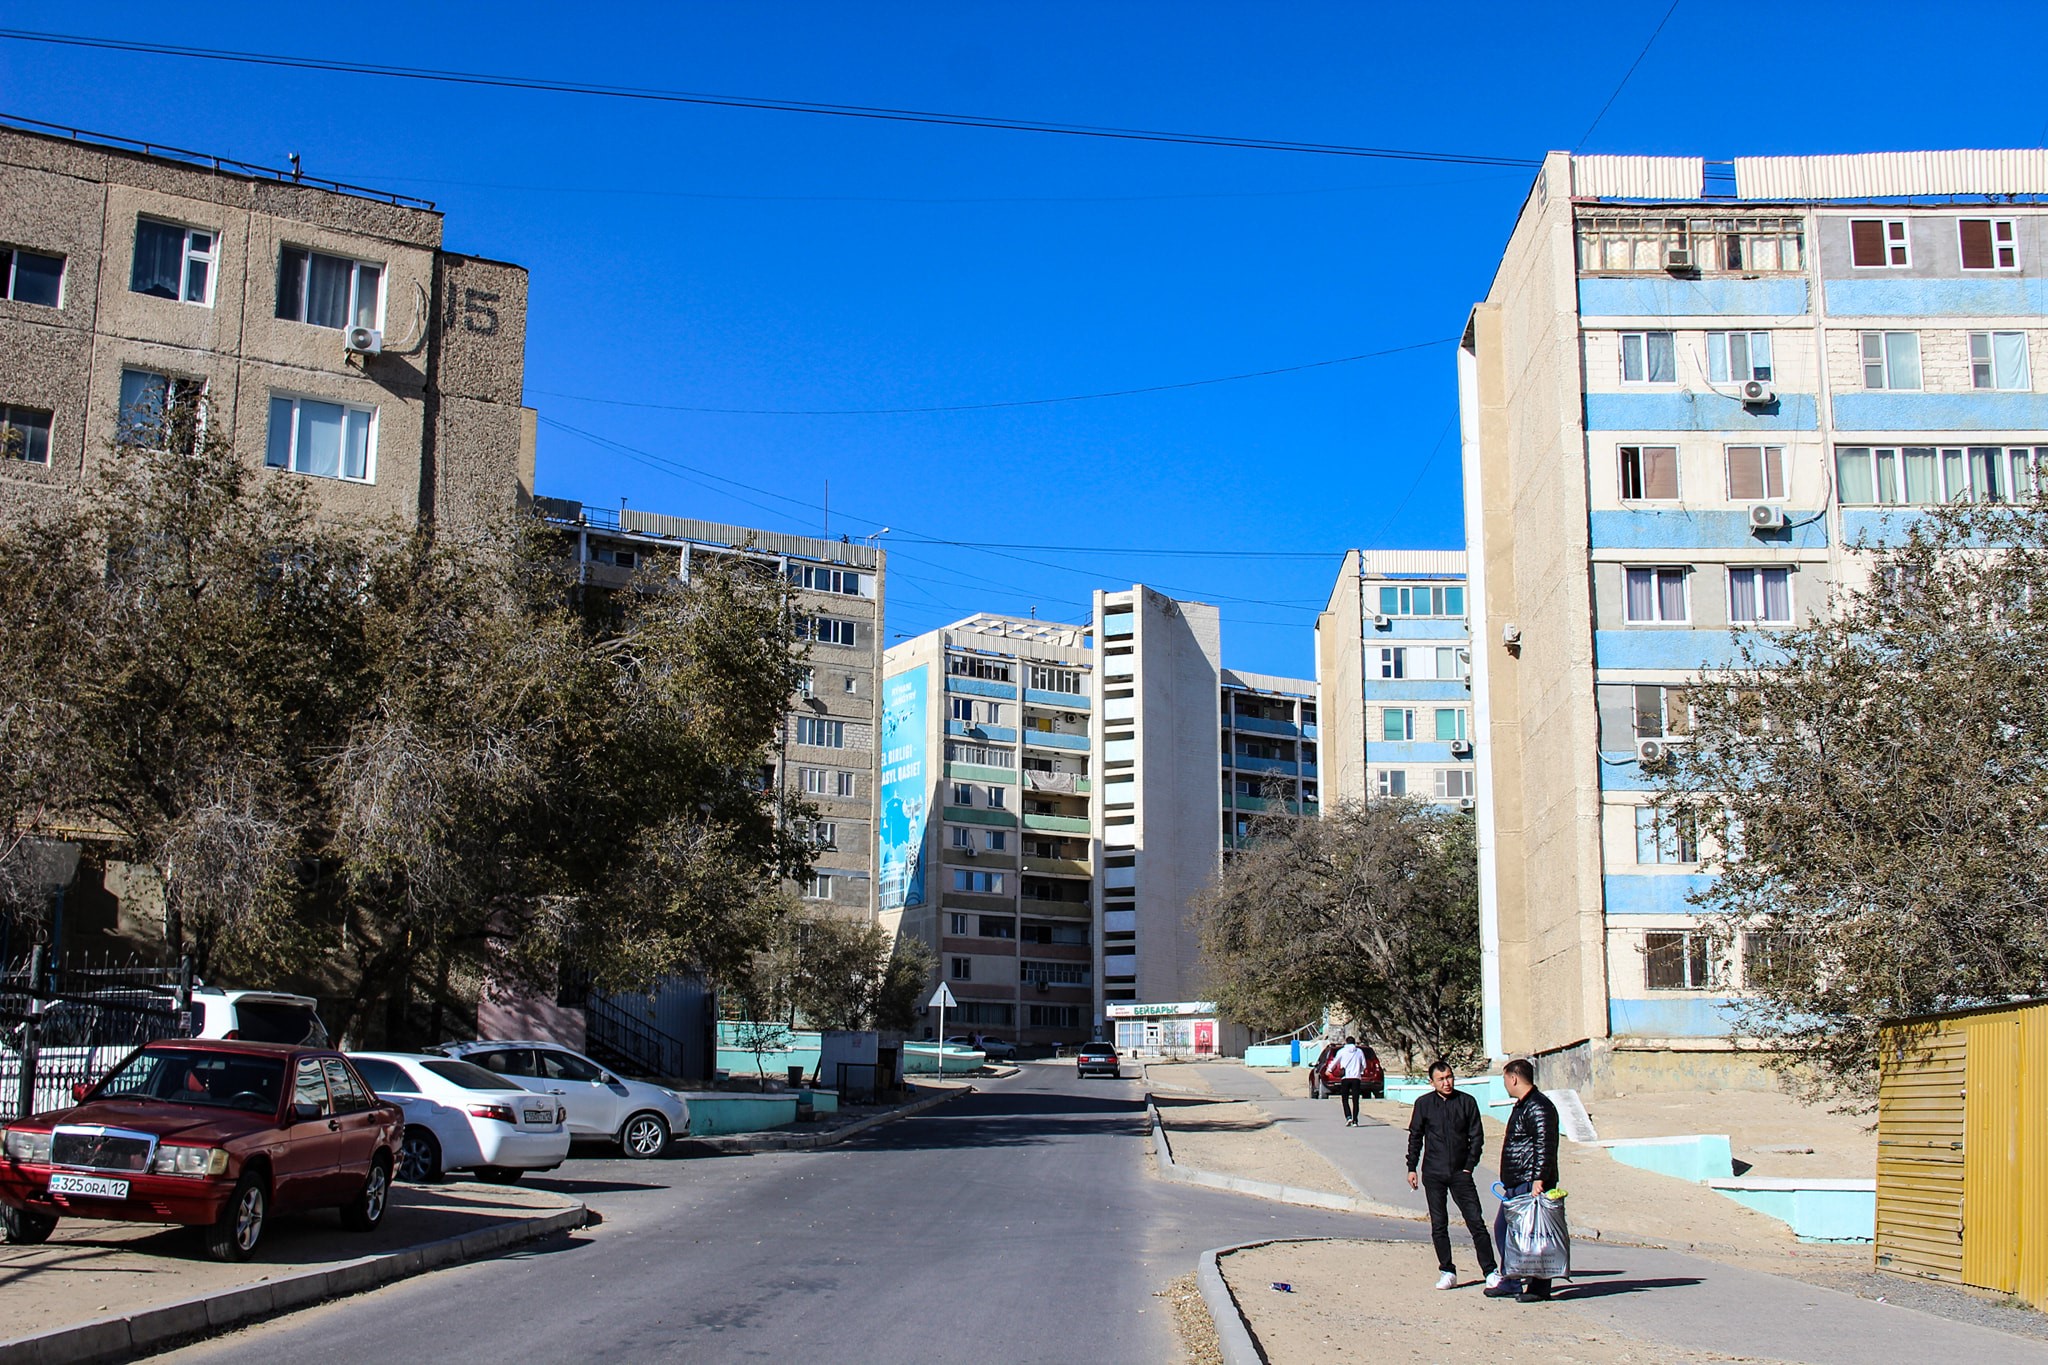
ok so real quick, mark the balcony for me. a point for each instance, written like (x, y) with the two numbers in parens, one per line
(1056, 739)
(1256, 725)
(1245, 763)
(1059, 867)
(1063, 783)
(1072, 701)
(1056, 824)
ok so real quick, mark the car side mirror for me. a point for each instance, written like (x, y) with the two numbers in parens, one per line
(611, 1080)
(305, 1111)
(81, 1090)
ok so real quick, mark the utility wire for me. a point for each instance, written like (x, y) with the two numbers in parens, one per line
(788, 106)
(1625, 75)
(1005, 403)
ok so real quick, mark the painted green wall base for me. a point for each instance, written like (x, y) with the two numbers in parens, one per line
(1815, 1210)
(1698, 1157)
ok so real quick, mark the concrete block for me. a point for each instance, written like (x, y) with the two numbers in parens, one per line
(153, 1327)
(108, 1337)
(353, 1277)
(236, 1305)
(1697, 1157)
(296, 1291)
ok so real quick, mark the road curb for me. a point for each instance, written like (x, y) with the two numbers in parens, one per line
(1233, 1334)
(154, 1329)
(742, 1143)
(1263, 1189)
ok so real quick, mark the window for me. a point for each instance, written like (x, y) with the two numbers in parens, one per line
(1045, 679)
(1756, 473)
(825, 734)
(1680, 960)
(1760, 596)
(1649, 473)
(1878, 243)
(1734, 357)
(1393, 663)
(963, 794)
(1450, 723)
(1649, 358)
(807, 684)
(816, 781)
(1397, 724)
(1655, 597)
(1665, 836)
(1053, 1016)
(995, 798)
(966, 666)
(963, 709)
(326, 440)
(24, 434)
(1632, 711)
(818, 887)
(1070, 935)
(31, 277)
(1430, 601)
(842, 784)
(977, 882)
(161, 411)
(956, 924)
(960, 836)
(961, 969)
(1881, 476)
(328, 291)
(1891, 360)
(1610, 244)
(1455, 784)
(997, 926)
(818, 578)
(309, 1090)
(1453, 661)
(852, 685)
(980, 1012)
(1390, 782)
(1052, 973)
(996, 840)
(824, 835)
(1774, 957)
(1998, 360)
(173, 262)
(1988, 244)
(826, 630)
(980, 754)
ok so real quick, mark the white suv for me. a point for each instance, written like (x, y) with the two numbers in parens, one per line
(257, 1016)
(640, 1117)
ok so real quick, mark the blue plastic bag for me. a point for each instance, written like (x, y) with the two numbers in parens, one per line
(1539, 1240)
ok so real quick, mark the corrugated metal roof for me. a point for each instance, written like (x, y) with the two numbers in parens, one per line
(1638, 177)
(1892, 175)
(1268, 682)
(1380, 563)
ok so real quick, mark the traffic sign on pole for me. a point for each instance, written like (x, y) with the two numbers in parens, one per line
(941, 998)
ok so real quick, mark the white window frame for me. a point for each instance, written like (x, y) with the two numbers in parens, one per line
(1456, 784)
(292, 453)
(2009, 244)
(843, 785)
(814, 781)
(9, 285)
(1663, 835)
(1642, 494)
(827, 630)
(818, 887)
(821, 733)
(1883, 364)
(11, 415)
(1763, 457)
(1657, 572)
(1407, 724)
(210, 258)
(1746, 580)
(354, 308)
(1642, 340)
(1390, 783)
(956, 923)
(1458, 725)
(1720, 366)
(963, 794)
(1394, 662)
(824, 833)
(962, 837)
(1988, 368)
(1897, 243)
(177, 388)
(996, 798)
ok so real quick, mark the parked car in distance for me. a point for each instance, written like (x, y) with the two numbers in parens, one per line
(460, 1117)
(1097, 1059)
(640, 1117)
(258, 1016)
(985, 1045)
(82, 1038)
(217, 1134)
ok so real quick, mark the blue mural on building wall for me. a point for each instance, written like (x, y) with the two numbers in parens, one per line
(904, 792)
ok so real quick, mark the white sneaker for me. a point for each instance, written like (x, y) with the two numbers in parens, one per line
(1447, 1280)
(1493, 1280)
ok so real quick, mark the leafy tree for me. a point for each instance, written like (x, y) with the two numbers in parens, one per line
(1372, 910)
(1871, 791)
(824, 970)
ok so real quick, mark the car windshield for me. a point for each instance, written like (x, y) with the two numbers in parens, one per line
(220, 1080)
(469, 1076)
(278, 1021)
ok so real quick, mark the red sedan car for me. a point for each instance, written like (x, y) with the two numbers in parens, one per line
(207, 1132)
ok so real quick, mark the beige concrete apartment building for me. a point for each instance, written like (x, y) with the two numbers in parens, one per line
(322, 327)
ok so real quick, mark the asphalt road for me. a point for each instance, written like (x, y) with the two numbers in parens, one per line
(1017, 1224)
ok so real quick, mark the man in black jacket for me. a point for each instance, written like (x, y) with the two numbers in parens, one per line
(1528, 1165)
(1445, 1134)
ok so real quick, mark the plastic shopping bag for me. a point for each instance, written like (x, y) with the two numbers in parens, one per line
(1539, 1241)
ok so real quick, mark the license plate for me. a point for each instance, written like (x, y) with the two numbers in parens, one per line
(544, 1117)
(99, 1187)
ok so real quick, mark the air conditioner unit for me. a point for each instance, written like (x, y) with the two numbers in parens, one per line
(1511, 635)
(1044, 986)
(363, 341)
(1461, 748)
(1653, 753)
(1757, 393)
(1467, 803)
(971, 851)
(1678, 258)
(1380, 622)
(1765, 516)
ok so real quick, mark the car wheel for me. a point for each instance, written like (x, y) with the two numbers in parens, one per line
(240, 1226)
(645, 1135)
(366, 1210)
(419, 1157)
(23, 1228)
(499, 1175)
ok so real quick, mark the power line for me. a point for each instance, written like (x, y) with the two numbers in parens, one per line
(1004, 403)
(1619, 85)
(788, 106)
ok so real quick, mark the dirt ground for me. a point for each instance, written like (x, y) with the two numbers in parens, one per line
(1192, 1325)
(1353, 1295)
(1761, 1127)
(1233, 1137)
(93, 1270)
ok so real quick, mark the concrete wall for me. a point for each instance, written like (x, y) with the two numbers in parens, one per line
(1340, 688)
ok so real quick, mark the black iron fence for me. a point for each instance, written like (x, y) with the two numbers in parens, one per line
(66, 1022)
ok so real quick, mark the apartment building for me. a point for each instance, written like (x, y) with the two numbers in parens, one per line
(987, 847)
(1691, 388)
(1393, 675)
(827, 751)
(1269, 746)
(321, 326)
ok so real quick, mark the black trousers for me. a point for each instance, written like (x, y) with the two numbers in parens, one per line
(1457, 1185)
(1347, 1091)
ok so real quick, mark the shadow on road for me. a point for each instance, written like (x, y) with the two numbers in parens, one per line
(1608, 1288)
(1009, 1119)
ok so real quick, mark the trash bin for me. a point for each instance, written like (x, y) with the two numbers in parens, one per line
(796, 1077)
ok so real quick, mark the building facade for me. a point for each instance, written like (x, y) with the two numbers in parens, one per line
(1689, 390)
(1270, 751)
(827, 752)
(1393, 675)
(987, 849)
(323, 328)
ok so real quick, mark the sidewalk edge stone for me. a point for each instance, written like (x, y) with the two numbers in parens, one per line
(1263, 1189)
(742, 1143)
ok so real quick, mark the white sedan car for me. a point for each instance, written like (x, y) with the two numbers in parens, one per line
(639, 1116)
(460, 1117)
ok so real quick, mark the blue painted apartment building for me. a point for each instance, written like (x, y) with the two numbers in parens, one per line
(1690, 389)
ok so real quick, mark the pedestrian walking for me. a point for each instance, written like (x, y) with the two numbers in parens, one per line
(1349, 1064)
(1319, 1074)
(1528, 1165)
(1445, 1142)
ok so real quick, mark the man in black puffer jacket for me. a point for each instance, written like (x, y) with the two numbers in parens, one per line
(1528, 1164)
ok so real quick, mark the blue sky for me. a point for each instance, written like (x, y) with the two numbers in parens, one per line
(701, 257)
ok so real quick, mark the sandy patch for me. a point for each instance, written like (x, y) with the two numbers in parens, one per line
(1761, 1125)
(1234, 1137)
(1351, 1297)
(1177, 1076)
